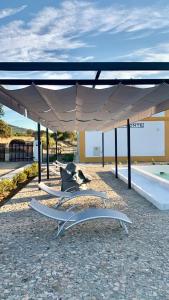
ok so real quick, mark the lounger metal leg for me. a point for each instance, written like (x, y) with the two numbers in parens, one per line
(62, 223)
(59, 228)
(60, 202)
(124, 227)
(62, 227)
(104, 201)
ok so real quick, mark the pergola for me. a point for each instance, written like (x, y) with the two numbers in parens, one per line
(80, 107)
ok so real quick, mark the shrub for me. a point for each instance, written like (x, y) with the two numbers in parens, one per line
(68, 157)
(32, 170)
(14, 179)
(52, 158)
(35, 166)
(28, 172)
(6, 185)
(20, 177)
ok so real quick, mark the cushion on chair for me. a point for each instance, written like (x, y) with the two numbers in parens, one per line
(82, 177)
(71, 167)
(68, 180)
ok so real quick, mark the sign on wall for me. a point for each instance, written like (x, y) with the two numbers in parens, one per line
(135, 125)
(96, 151)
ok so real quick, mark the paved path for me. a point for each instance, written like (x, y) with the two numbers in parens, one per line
(7, 167)
(95, 260)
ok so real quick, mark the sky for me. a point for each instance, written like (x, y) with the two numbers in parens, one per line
(79, 30)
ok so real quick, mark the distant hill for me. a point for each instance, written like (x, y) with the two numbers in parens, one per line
(20, 130)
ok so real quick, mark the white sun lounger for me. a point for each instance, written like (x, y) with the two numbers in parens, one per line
(68, 219)
(66, 195)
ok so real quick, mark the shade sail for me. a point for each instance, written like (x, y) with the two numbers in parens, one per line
(83, 108)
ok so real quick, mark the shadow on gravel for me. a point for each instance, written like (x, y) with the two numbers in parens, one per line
(133, 200)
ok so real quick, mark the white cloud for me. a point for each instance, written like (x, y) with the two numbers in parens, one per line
(127, 74)
(159, 53)
(11, 11)
(63, 28)
(84, 58)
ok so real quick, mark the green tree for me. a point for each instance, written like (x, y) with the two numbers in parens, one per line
(65, 136)
(29, 132)
(5, 129)
(51, 141)
(1, 110)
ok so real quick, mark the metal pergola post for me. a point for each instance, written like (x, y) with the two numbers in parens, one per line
(47, 153)
(103, 149)
(56, 140)
(129, 153)
(39, 154)
(94, 85)
(115, 156)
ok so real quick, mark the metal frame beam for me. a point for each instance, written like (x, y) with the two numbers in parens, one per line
(47, 153)
(96, 79)
(84, 66)
(92, 82)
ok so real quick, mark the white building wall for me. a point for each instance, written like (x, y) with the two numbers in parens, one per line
(146, 140)
(35, 150)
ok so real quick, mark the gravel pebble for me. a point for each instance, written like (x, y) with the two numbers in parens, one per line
(94, 260)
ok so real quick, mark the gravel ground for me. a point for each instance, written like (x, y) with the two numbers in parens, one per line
(95, 260)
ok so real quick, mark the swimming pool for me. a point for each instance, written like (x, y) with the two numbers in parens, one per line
(157, 172)
(163, 175)
(150, 181)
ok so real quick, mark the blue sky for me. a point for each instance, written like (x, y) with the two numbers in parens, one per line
(75, 30)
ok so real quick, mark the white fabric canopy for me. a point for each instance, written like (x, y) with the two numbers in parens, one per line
(82, 108)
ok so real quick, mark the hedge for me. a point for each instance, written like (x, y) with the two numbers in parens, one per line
(7, 185)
